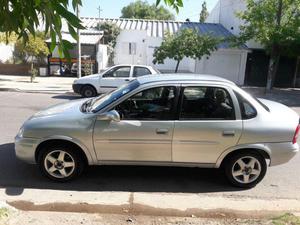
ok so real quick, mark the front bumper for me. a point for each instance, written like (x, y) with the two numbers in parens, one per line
(77, 88)
(25, 149)
(281, 153)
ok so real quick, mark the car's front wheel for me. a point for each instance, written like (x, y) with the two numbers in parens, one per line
(245, 169)
(88, 91)
(60, 163)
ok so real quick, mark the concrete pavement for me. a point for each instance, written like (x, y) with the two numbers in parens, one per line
(54, 85)
(134, 190)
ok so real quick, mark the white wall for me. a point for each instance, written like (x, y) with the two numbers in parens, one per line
(229, 64)
(214, 15)
(102, 57)
(122, 47)
(169, 65)
(6, 52)
(225, 13)
(145, 46)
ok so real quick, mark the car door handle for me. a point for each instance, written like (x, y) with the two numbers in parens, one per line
(162, 131)
(228, 133)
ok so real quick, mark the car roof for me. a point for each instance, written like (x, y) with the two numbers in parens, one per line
(131, 65)
(183, 77)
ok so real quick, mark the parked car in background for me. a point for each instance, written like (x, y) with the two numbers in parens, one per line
(170, 120)
(110, 79)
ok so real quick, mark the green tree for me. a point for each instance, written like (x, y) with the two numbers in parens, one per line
(185, 43)
(24, 17)
(143, 10)
(34, 49)
(176, 4)
(110, 33)
(204, 13)
(275, 24)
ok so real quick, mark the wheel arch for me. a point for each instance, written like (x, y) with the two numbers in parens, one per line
(89, 85)
(65, 141)
(261, 149)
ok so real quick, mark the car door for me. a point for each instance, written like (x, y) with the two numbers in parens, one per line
(209, 123)
(145, 130)
(139, 71)
(114, 78)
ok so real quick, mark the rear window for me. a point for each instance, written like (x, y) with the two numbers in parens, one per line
(247, 110)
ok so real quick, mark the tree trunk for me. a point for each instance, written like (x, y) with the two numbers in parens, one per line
(275, 52)
(273, 65)
(177, 65)
(297, 70)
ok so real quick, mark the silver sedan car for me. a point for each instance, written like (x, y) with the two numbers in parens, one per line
(168, 120)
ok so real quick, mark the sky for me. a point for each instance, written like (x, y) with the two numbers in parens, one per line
(112, 8)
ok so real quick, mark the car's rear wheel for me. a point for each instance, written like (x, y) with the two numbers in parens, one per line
(88, 91)
(60, 163)
(245, 169)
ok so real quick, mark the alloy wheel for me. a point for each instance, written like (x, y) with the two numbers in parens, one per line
(246, 170)
(59, 164)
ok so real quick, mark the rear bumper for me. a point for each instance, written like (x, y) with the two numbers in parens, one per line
(77, 88)
(281, 153)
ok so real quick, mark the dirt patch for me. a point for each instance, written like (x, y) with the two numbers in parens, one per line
(137, 209)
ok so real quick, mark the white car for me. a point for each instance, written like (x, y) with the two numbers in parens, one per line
(110, 79)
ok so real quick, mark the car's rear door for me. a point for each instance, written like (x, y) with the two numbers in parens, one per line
(209, 122)
(140, 71)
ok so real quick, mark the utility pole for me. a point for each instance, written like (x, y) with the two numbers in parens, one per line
(78, 47)
(99, 16)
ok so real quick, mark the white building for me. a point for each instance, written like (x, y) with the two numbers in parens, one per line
(224, 13)
(139, 38)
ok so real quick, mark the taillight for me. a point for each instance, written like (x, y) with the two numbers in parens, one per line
(296, 134)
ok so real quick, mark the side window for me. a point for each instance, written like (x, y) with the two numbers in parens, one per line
(151, 104)
(206, 103)
(140, 71)
(118, 72)
(247, 110)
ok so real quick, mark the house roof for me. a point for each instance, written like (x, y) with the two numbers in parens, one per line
(88, 37)
(158, 28)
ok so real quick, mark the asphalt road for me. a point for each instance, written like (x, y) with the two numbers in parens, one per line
(15, 176)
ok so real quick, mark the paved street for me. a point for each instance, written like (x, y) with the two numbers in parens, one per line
(16, 177)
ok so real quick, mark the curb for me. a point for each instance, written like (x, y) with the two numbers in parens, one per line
(152, 204)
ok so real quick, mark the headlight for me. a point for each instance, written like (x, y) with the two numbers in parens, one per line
(21, 131)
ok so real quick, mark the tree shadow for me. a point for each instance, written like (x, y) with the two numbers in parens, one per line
(15, 176)
(287, 96)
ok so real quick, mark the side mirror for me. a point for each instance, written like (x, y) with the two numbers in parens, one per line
(111, 116)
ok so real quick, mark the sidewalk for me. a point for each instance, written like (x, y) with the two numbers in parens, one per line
(55, 85)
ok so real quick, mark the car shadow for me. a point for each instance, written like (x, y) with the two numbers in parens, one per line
(15, 176)
(67, 96)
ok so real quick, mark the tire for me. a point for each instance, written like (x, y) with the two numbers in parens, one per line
(66, 168)
(88, 91)
(245, 169)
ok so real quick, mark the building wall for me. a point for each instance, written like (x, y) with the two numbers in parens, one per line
(134, 54)
(6, 52)
(225, 13)
(145, 46)
(229, 64)
(102, 57)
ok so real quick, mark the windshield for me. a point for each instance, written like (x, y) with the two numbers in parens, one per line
(104, 100)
